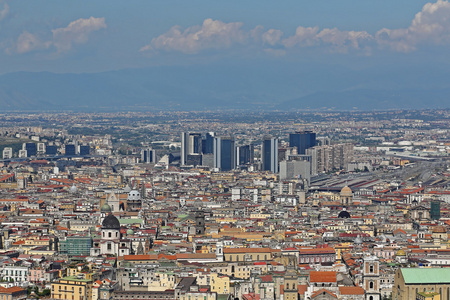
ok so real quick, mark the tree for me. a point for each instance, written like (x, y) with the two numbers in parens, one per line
(46, 292)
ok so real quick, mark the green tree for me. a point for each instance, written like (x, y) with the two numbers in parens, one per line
(45, 292)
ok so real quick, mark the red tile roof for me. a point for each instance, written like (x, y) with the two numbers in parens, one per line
(322, 276)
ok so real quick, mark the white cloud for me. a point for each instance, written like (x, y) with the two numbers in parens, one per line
(211, 34)
(4, 11)
(338, 40)
(343, 40)
(303, 37)
(272, 36)
(431, 25)
(77, 32)
(27, 42)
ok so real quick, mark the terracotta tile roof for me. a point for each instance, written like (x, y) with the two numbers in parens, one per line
(13, 289)
(351, 290)
(266, 278)
(302, 288)
(322, 276)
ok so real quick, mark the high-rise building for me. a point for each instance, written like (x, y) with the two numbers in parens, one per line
(23, 153)
(224, 153)
(269, 155)
(41, 148)
(7, 153)
(328, 158)
(244, 155)
(302, 140)
(295, 169)
(184, 147)
(31, 149)
(191, 143)
(84, 149)
(148, 156)
(208, 143)
(51, 150)
(195, 143)
(70, 149)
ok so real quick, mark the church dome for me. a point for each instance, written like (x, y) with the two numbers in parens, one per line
(127, 189)
(344, 214)
(346, 191)
(105, 208)
(439, 229)
(401, 252)
(73, 189)
(130, 232)
(111, 222)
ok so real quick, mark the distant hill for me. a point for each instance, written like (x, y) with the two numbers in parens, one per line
(365, 99)
(246, 85)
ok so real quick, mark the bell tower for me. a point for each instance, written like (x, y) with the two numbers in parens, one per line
(199, 222)
(371, 278)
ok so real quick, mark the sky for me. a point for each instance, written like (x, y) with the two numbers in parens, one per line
(96, 36)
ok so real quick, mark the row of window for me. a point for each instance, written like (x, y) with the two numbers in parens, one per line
(316, 259)
(17, 273)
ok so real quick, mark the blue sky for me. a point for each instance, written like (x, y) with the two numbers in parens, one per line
(94, 36)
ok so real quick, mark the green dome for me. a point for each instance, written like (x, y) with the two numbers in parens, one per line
(130, 232)
(105, 208)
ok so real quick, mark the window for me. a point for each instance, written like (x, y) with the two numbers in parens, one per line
(109, 234)
(371, 284)
(109, 246)
(371, 269)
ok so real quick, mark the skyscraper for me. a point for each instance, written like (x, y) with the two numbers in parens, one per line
(269, 155)
(208, 143)
(84, 149)
(244, 155)
(31, 149)
(224, 153)
(51, 150)
(191, 143)
(70, 149)
(148, 156)
(302, 140)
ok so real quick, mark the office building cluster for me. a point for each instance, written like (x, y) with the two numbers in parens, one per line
(33, 149)
(304, 156)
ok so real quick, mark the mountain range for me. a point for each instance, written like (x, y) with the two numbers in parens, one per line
(245, 85)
